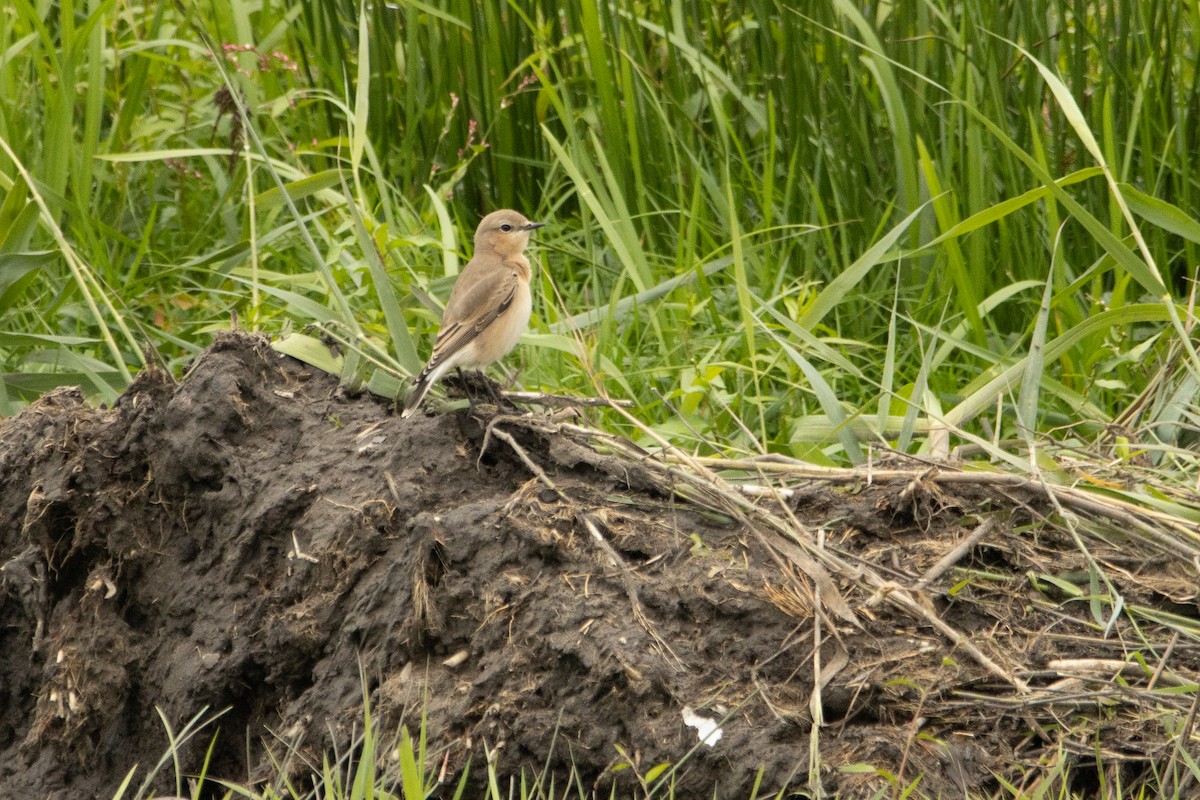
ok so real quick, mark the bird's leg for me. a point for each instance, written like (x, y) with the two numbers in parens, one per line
(493, 390)
(476, 386)
(467, 383)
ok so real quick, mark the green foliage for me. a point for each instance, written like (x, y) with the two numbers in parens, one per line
(775, 227)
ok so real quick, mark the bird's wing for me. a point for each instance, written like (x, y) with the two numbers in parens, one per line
(472, 311)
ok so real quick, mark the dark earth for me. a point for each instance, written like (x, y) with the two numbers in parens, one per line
(250, 541)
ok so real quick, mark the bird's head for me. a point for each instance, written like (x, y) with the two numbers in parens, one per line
(504, 232)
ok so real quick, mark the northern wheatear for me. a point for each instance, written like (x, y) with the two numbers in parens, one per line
(489, 305)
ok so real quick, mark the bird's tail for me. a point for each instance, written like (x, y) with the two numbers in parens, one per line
(432, 373)
(421, 388)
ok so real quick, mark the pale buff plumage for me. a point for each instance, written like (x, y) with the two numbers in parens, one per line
(489, 305)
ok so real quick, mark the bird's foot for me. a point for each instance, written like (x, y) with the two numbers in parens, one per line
(477, 387)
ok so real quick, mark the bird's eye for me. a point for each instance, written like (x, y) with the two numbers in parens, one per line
(506, 227)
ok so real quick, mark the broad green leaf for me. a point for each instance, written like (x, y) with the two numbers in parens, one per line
(310, 350)
(299, 189)
(15, 339)
(18, 271)
(1161, 213)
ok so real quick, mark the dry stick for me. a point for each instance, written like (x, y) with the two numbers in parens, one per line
(1106, 668)
(904, 598)
(816, 706)
(1162, 662)
(563, 400)
(505, 437)
(799, 550)
(955, 555)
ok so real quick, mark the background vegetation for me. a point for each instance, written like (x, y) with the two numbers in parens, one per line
(787, 227)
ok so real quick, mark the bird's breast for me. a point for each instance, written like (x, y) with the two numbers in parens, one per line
(504, 333)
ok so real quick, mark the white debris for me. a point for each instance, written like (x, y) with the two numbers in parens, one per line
(708, 730)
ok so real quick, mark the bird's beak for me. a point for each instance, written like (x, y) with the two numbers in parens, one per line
(533, 226)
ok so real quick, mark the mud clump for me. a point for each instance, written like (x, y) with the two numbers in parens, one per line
(251, 542)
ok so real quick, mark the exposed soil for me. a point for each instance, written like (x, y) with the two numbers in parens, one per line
(149, 556)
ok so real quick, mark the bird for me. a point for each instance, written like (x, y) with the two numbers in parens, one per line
(489, 305)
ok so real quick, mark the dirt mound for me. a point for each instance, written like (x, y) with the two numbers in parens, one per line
(249, 539)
